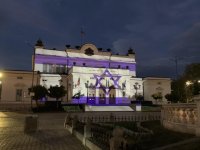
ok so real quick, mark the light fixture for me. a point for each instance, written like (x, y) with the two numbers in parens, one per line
(188, 83)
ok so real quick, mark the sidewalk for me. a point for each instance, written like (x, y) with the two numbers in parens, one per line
(50, 136)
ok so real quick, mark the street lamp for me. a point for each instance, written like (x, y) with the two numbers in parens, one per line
(188, 83)
(0, 84)
(136, 87)
(87, 85)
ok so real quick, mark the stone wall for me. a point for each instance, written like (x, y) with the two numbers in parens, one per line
(182, 117)
(96, 117)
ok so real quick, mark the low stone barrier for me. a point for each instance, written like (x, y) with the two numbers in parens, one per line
(97, 117)
(182, 117)
(13, 106)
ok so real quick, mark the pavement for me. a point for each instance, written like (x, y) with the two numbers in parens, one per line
(51, 134)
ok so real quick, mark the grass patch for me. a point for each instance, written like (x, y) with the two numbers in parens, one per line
(195, 145)
(72, 108)
(147, 108)
(128, 125)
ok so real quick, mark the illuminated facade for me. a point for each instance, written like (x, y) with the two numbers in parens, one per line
(91, 76)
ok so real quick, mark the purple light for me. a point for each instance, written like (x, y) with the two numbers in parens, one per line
(43, 59)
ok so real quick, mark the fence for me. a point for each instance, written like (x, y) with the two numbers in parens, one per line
(97, 135)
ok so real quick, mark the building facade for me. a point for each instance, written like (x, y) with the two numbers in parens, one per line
(158, 86)
(90, 76)
(14, 87)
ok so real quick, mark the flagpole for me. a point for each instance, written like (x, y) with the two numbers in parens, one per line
(82, 35)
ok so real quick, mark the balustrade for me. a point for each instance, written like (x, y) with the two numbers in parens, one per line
(180, 117)
(96, 117)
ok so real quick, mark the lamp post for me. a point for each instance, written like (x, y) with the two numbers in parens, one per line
(188, 84)
(87, 89)
(67, 72)
(136, 87)
(33, 69)
(0, 84)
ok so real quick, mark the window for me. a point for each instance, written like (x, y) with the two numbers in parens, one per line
(83, 64)
(127, 67)
(119, 66)
(19, 95)
(89, 52)
(74, 63)
(45, 68)
(58, 69)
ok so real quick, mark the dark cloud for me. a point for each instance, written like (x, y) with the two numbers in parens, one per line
(157, 30)
(187, 44)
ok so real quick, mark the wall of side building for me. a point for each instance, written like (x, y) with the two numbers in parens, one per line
(154, 85)
(14, 87)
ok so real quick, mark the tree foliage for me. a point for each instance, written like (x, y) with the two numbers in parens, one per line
(57, 92)
(39, 92)
(192, 72)
(157, 96)
(139, 97)
(181, 91)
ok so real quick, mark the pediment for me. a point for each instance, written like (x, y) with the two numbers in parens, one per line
(89, 49)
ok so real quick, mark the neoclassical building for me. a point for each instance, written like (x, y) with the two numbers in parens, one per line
(92, 76)
(89, 74)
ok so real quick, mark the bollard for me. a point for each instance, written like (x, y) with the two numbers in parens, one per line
(31, 124)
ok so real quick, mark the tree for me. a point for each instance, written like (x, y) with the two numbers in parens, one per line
(192, 72)
(181, 91)
(39, 92)
(139, 97)
(57, 92)
(192, 75)
(178, 92)
(157, 96)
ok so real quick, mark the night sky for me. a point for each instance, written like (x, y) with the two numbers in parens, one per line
(158, 30)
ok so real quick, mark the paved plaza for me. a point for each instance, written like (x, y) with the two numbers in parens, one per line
(50, 136)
